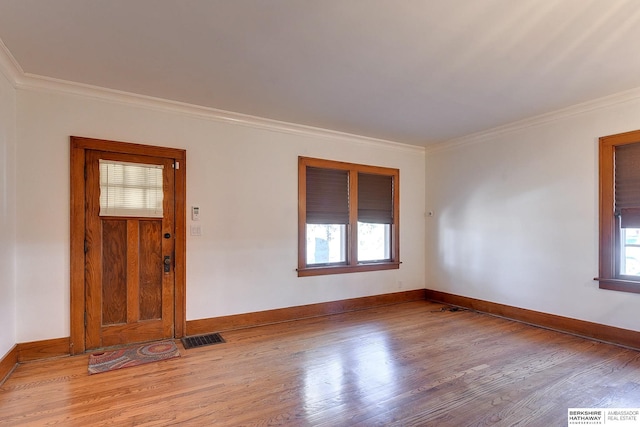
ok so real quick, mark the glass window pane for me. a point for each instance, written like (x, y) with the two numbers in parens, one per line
(632, 236)
(374, 242)
(326, 244)
(630, 254)
(130, 189)
(631, 261)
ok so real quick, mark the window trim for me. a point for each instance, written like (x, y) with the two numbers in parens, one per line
(609, 244)
(352, 265)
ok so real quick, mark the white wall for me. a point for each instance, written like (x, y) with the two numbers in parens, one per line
(516, 211)
(244, 178)
(7, 216)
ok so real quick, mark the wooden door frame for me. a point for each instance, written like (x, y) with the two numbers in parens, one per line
(78, 146)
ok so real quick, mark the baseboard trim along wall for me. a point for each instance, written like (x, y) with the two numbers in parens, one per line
(44, 349)
(239, 321)
(8, 363)
(596, 331)
(34, 350)
(57, 347)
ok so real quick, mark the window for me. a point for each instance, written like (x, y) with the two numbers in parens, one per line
(620, 212)
(130, 189)
(347, 217)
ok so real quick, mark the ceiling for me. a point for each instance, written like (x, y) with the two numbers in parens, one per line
(410, 71)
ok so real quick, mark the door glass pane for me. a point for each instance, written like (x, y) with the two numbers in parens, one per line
(130, 189)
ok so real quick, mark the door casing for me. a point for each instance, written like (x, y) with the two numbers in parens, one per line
(79, 146)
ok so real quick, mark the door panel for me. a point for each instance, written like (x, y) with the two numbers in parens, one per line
(114, 272)
(150, 276)
(129, 292)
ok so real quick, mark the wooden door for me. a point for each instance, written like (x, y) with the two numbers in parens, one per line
(129, 259)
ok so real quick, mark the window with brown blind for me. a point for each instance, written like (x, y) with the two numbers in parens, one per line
(347, 217)
(620, 212)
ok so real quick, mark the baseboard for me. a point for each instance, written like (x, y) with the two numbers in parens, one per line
(57, 347)
(609, 334)
(44, 349)
(8, 363)
(238, 321)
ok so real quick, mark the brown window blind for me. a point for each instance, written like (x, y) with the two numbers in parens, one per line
(375, 198)
(627, 185)
(327, 196)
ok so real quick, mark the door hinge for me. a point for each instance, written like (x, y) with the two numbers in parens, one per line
(86, 246)
(85, 319)
(176, 165)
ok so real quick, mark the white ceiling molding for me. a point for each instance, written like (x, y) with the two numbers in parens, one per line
(413, 72)
(26, 81)
(553, 116)
(9, 66)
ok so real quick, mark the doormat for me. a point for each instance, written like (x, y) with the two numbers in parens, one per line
(202, 340)
(132, 356)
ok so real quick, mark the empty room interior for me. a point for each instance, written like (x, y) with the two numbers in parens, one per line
(412, 212)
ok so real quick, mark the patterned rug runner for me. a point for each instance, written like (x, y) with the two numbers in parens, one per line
(132, 356)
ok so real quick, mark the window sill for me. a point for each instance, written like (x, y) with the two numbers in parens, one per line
(622, 285)
(342, 269)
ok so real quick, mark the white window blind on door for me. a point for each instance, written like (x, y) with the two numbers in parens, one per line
(130, 189)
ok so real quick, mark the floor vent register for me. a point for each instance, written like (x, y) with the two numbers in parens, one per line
(202, 340)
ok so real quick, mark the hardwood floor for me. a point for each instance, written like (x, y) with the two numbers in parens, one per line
(408, 365)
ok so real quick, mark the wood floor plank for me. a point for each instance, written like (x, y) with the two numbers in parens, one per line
(409, 364)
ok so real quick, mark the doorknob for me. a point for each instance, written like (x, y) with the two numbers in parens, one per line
(167, 264)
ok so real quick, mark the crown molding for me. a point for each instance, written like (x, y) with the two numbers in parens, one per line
(27, 81)
(48, 84)
(630, 95)
(9, 67)
(12, 70)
